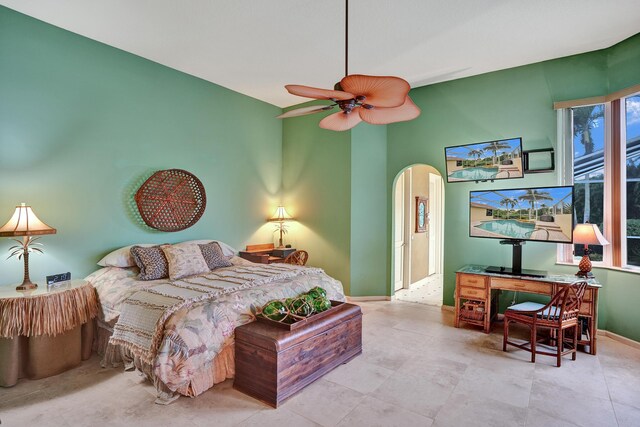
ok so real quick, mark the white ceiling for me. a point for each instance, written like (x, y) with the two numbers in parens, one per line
(255, 47)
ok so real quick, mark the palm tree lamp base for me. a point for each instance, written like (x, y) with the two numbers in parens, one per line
(26, 287)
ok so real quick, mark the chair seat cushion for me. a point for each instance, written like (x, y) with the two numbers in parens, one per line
(526, 306)
(551, 312)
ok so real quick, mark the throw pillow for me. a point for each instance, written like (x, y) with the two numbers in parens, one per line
(151, 262)
(184, 260)
(213, 255)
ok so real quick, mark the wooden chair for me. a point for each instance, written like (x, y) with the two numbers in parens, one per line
(559, 314)
(297, 258)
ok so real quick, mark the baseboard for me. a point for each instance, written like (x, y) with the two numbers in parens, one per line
(368, 298)
(447, 308)
(620, 338)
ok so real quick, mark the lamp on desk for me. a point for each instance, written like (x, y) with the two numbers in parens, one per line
(280, 217)
(587, 234)
(24, 223)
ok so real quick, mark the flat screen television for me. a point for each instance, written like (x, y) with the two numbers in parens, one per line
(540, 214)
(485, 161)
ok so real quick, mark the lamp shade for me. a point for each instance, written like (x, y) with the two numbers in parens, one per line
(588, 234)
(281, 215)
(25, 223)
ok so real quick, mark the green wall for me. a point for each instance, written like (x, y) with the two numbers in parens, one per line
(83, 124)
(315, 182)
(369, 270)
(334, 184)
(623, 62)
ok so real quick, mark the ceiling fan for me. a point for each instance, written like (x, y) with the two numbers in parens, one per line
(378, 100)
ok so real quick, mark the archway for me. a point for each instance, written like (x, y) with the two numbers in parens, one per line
(417, 238)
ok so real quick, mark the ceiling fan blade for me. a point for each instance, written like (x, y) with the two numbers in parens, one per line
(340, 121)
(304, 111)
(380, 91)
(318, 93)
(383, 116)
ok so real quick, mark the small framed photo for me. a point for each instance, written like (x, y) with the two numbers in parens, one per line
(422, 205)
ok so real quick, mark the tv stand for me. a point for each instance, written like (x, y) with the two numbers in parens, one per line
(516, 262)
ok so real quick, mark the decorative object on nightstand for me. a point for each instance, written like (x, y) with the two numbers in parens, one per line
(280, 217)
(587, 234)
(24, 223)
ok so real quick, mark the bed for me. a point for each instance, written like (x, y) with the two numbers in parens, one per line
(193, 346)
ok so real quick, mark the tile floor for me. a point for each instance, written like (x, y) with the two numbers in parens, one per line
(427, 291)
(416, 370)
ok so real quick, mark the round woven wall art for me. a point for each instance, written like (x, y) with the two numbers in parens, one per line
(171, 200)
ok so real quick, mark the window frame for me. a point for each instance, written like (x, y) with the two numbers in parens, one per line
(615, 176)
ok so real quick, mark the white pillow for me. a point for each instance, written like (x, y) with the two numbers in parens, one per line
(121, 257)
(226, 249)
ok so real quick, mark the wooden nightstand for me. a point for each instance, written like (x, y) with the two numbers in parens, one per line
(261, 254)
(55, 334)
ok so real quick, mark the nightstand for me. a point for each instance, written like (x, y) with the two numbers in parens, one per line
(45, 331)
(262, 254)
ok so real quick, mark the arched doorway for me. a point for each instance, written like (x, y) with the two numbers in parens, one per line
(417, 247)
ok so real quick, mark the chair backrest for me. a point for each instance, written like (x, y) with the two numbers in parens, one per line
(565, 304)
(297, 258)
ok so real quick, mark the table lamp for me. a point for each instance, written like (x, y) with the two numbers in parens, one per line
(280, 217)
(24, 223)
(587, 234)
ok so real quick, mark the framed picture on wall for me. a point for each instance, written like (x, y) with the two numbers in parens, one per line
(421, 214)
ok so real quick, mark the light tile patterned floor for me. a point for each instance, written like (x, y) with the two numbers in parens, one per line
(427, 291)
(416, 370)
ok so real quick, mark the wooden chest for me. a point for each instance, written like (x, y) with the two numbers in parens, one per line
(272, 363)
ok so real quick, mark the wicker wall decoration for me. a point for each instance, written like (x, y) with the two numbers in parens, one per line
(171, 200)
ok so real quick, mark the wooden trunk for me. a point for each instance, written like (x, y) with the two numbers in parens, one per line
(272, 363)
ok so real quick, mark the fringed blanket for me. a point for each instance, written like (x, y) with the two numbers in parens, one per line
(49, 313)
(141, 326)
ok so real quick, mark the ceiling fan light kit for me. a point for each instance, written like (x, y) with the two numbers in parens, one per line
(377, 100)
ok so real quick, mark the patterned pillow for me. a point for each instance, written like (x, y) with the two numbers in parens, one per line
(151, 261)
(184, 260)
(213, 255)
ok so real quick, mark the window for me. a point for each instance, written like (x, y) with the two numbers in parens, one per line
(601, 159)
(632, 154)
(489, 212)
(588, 170)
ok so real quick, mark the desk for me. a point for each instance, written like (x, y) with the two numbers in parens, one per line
(473, 283)
(45, 331)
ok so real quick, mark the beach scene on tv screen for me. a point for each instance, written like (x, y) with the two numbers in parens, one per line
(543, 214)
(486, 160)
